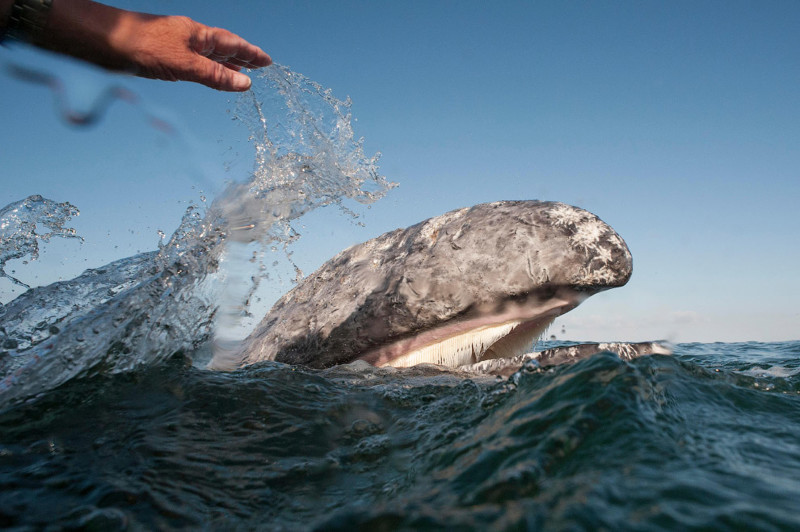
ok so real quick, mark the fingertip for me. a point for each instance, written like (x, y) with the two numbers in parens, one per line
(259, 60)
(241, 82)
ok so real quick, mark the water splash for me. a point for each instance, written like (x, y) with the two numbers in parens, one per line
(26, 223)
(306, 157)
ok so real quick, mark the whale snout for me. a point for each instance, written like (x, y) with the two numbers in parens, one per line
(596, 257)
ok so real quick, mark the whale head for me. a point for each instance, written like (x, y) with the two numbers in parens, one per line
(473, 284)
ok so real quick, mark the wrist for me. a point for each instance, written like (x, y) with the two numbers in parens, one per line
(83, 29)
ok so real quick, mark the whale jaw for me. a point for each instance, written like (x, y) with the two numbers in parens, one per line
(488, 334)
(505, 340)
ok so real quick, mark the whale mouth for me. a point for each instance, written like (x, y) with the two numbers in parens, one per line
(490, 334)
(505, 340)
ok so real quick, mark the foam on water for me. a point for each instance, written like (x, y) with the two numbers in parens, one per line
(306, 157)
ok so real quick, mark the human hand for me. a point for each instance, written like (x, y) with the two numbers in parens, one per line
(178, 48)
(153, 46)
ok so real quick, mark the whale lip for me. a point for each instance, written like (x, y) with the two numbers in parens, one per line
(485, 332)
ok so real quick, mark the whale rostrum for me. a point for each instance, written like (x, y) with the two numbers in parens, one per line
(471, 285)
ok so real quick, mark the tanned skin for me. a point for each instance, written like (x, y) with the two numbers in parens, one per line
(170, 48)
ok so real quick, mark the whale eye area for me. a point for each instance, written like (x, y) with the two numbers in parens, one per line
(546, 292)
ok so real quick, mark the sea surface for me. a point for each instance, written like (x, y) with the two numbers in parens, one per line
(109, 421)
(708, 438)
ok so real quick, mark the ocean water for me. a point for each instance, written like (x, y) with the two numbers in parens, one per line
(708, 438)
(109, 421)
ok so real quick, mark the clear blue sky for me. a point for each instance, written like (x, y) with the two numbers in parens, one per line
(678, 123)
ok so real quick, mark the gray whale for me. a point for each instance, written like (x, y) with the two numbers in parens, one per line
(471, 285)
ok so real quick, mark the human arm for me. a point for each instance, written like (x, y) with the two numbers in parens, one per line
(153, 46)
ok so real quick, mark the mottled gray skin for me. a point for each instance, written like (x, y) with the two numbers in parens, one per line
(625, 351)
(567, 355)
(464, 264)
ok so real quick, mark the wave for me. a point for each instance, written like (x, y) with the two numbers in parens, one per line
(658, 443)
